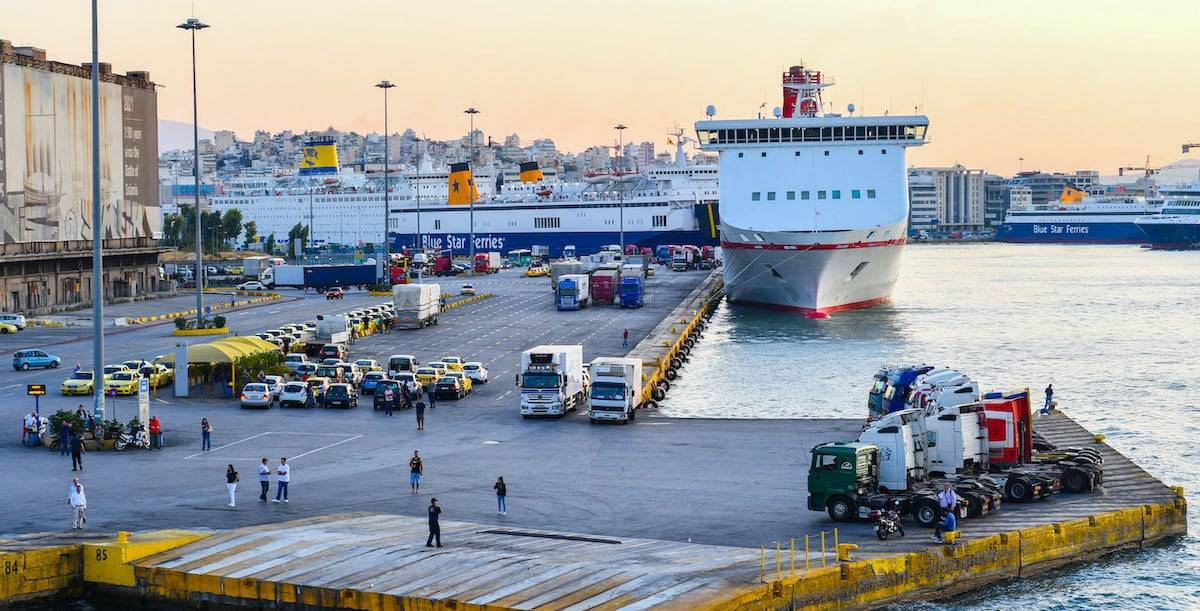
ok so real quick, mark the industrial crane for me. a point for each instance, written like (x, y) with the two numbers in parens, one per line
(1146, 168)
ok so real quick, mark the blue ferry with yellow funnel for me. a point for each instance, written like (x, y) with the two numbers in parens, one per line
(1077, 218)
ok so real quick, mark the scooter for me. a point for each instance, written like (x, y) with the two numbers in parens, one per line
(887, 521)
(141, 439)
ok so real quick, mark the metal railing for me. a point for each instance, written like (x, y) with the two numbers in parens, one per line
(815, 549)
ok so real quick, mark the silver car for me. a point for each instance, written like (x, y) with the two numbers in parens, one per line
(257, 395)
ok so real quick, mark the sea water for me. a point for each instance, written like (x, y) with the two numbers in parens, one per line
(1116, 329)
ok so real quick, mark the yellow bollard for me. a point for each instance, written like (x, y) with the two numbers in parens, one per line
(778, 566)
(762, 562)
(822, 548)
(792, 566)
(843, 551)
(806, 555)
(835, 538)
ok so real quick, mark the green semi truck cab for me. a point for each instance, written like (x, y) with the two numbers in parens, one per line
(841, 469)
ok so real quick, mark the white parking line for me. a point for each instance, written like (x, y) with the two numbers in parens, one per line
(232, 443)
(293, 459)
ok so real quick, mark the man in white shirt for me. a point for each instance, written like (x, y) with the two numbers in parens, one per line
(78, 502)
(281, 485)
(264, 479)
(947, 498)
(31, 428)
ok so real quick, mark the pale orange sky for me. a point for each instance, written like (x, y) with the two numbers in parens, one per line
(1065, 85)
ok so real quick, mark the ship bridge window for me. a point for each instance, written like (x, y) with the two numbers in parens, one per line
(763, 154)
(659, 220)
(791, 195)
(755, 196)
(804, 195)
(837, 194)
(870, 193)
(770, 196)
(855, 194)
(826, 153)
(820, 195)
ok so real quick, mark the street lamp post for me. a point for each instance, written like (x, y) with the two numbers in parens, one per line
(387, 206)
(193, 25)
(620, 127)
(470, 188)
(97, 236)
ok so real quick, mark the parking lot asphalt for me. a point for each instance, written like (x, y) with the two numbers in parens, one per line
(708, 481)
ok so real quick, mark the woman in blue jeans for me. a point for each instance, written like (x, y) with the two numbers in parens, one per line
(501, 494)
(205, 434)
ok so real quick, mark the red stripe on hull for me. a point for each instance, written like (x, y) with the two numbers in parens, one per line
(804, 247)
(802, 310)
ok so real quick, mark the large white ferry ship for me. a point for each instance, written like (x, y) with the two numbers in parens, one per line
(814, 206)
(1079, 219)
(663, 204)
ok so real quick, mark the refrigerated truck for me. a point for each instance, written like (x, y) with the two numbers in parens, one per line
(487, 262)
(283, 275)
(616, 389)
(604, 286)
(571, 292)
(552, 380)
(417, 305)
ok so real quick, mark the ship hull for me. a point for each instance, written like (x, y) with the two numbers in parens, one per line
(814, 272)
(1171, 235)
(1071, 232)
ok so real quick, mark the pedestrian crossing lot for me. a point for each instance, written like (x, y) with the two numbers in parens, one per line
(274, 445)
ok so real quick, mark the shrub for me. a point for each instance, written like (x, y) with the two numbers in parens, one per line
(134, 426)
(218, 322)
(71, 418)
(181, 323)
(112, 428)
(382, 287)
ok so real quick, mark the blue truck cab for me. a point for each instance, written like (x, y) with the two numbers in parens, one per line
(890, 388)
(631, 292)
(566, 297)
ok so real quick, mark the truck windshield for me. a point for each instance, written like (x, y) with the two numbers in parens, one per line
(608, 391)
(539, 380)
(567, 291)
(878, 387)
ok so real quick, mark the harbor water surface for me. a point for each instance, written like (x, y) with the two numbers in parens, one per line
(1114, 328)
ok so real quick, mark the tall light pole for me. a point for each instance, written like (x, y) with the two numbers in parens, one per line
(471, 187)
(387, 206)
(97, 236)
(620, 127)
(193, 25)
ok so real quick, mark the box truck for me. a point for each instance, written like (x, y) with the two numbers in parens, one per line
(616, 389)
(552, 380)
(572, 292)
(283, 275)
(604, 286)
(417, 305)
(333, 329)
(632, 292)
(487, 262)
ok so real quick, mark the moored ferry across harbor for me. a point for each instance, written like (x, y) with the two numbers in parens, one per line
(1078, 219)
(1177, 226)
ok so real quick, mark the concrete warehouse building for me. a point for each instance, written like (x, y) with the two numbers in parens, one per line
(46, 182)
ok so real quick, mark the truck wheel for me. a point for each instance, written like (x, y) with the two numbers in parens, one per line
(925, 512)
(841, 509)
(672, 374)
(1076, 481)
(1018, 489)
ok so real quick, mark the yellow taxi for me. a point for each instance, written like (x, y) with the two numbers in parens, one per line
(453, 363)
(368, 365)
(109, 370)
(159, 375)
(534, 272)
(441, 367)
(122, 383)
(80, 383)
(462, 377)
(428, 376)
(7, 328)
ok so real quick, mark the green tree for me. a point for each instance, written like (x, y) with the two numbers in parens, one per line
(297, 232)
(269, 245)
(172, 224)
(231, 225)
(251, 231)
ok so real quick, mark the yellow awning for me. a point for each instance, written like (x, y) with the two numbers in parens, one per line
(253, 344)
(211, 353)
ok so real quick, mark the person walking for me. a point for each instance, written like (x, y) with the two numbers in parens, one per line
(64, 438)
(1049, 398)
(264, 479)
(416, 468)
(435, 529)
(625, 339)
(501, 493)
(432, 396)
(205, 435)
(78, 502)
(231, 482)
(156, 435)
(420, 411)
(76, 442)
(285, 477)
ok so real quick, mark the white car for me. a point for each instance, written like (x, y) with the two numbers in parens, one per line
(476, 371)
(15, 320)
(275, 383)
(257, 395)
(467, 289)
(252, 285)
(294, 394)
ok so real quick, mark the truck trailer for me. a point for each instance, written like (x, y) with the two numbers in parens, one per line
(616, 389)
(417, 305)
(572, 292)
(632, 292)
(604, 286)
(552, 380)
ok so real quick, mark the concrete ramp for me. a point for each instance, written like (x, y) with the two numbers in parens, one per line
(371, 561)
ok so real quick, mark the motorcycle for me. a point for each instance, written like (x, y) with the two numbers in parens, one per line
(887, 520)
(140, 439)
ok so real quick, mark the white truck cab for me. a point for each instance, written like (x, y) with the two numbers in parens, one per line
(616, 389)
